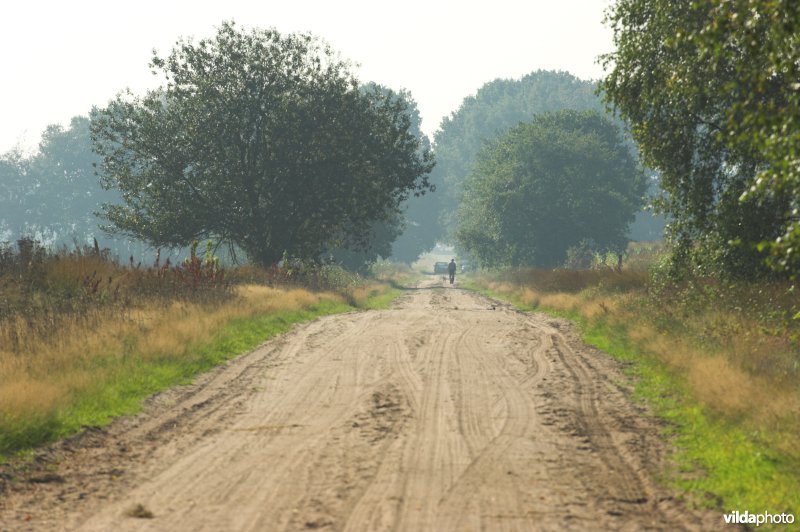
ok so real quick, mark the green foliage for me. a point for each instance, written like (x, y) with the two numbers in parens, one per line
(721, 461)
(54, 192)
(582, 256)
(379, 244)
(400, 234)
(547, 185)
(497, 107)
(761, 39)
(710, 90)
(260, 140)
(416, 236)
(420, 229)
(13, 191)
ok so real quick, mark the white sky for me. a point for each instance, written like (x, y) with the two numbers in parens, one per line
(60, 57)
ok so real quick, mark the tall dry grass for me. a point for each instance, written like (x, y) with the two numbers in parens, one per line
(734, 344)
(75, 324)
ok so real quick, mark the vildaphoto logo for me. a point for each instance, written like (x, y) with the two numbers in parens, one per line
(764, 518)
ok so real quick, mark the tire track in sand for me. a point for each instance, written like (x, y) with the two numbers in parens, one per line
(447, 412)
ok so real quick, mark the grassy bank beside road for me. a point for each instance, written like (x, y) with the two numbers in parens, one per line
(719, 363)
(83, 339)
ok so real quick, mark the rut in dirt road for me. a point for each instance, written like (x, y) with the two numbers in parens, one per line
(447, 412)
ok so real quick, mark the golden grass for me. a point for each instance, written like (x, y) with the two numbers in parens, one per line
(717, 380)
(24, 397)
(40, 373)
(82, 337)
(361, 293)
(729, 360)
(69, 271)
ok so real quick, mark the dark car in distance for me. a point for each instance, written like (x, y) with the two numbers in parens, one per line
(440, 267)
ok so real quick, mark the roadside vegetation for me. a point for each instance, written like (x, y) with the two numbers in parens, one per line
(719, 361)
(709, 91)
(265, 143)
(84, 339)
(566, 177)
(710, 325)
(270, 146)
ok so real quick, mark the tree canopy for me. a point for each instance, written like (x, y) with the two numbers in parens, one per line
(402, 236)
(548, 185)
(417, 236)
(710, 90)
(53, 193)
(498, 106)
(260, 140)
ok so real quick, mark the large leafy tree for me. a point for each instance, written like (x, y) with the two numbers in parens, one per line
(378, 244)
(498, 106)
(66, 191)
(548, 185)
(417, 235)
(402, 236)
(709, 88)
(260, 140)
(763, 39)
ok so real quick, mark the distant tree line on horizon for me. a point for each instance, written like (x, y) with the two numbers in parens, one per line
(66, 161)
(269, 144)
(481, 123)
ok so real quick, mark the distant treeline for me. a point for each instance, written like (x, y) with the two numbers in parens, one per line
(497, 232)
(55, 194)
(279, 151)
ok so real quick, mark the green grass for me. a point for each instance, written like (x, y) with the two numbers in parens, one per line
(137, 379)
(129, 379)
(381, 301)
(717, 463)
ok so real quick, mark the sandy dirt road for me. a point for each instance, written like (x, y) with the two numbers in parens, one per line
(447, 412)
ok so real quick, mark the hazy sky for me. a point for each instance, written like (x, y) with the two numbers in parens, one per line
(59, 58)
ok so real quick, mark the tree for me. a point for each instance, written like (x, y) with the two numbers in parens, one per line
(709, 88)
(417, 235)
(497, 107)
(401, 236)
(259, 140)
(379, 242)
(548, 185)
(761, 38)
(53, 193)
(12, 192)
(420, 228)
(67, 190)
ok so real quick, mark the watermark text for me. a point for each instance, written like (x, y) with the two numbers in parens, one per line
(764, 518)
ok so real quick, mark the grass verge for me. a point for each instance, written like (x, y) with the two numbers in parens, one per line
(727, 456)
(88, 374)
